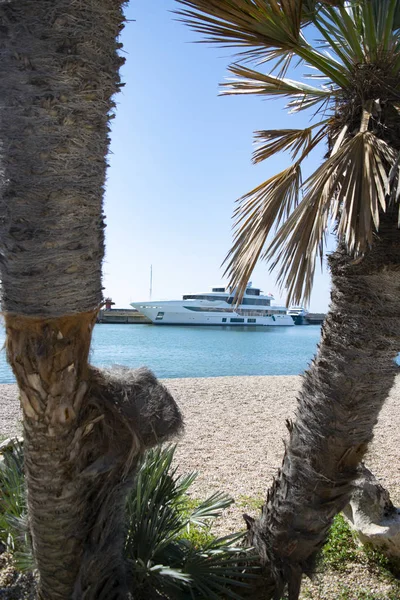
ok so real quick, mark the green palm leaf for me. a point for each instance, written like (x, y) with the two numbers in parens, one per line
(14, 528)
(158, 548)
(360, 31)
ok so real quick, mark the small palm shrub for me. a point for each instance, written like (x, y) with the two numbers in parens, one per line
(169, 548)
(168, 540)
(14, 532)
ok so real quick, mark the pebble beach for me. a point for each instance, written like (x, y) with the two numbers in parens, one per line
(234, 437)
(235, 427)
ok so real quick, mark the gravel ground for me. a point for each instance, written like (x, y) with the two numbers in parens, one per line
(235, 427)
(234, 431)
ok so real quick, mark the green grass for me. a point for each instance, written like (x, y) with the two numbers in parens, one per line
(340, 548)
(199, 537)
(252, 503)
(347, 593)
(376, 558)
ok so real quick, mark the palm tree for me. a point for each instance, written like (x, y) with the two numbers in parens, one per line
(356, 113)
(84, 430)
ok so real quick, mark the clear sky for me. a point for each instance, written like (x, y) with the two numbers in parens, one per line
(180, 157)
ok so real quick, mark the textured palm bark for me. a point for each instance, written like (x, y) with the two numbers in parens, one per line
(84, 430)
(59, 70)
(342, 394)
(50, 363)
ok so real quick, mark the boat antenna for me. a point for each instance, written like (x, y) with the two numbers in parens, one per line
(151, 281)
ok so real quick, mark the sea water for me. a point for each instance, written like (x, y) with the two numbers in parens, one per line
(179, 351)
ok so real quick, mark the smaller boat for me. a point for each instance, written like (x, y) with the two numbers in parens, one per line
(299, 315)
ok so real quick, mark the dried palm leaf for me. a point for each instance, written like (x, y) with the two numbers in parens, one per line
(349, 188)
(254, 82)
(363, 190)
(262, 27)
(254, 24)
(277, 140)
(258, 212)
(280, 139)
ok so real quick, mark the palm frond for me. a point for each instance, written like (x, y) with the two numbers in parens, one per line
(159, 548)
(258, 212)
(278, 140)
(220, 568)
(362, 32)
(377, 27)
(349, 187)
(209, 509)
(302, 96)
(363, 190)
(256, 25)
(280, 59)
(268, 30)
(14, 530)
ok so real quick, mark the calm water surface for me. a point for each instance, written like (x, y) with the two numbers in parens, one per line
(199, 351)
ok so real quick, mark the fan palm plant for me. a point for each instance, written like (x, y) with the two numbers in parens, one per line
(163, 556)
(355, 113)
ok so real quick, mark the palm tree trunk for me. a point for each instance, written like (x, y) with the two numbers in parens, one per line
(342, 394)
(84, 430)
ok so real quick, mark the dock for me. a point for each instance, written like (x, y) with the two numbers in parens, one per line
(315, 318)
(122, 315)
(309, 319)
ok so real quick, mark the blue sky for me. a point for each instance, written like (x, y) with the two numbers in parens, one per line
(180, 156)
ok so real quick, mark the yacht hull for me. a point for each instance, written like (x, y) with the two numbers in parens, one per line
(175, 313)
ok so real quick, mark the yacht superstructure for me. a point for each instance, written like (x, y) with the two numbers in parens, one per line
(217, 308)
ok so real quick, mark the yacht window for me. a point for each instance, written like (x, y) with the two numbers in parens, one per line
(160, 316)
(224, 320)
(207, 309)
(252, 301)
(236, 320)
(252, 320)
(204, 297)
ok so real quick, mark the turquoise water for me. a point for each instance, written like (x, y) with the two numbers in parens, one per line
(199, 351)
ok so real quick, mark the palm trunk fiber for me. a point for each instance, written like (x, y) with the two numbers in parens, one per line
(342, 394)
(50, 363)
(84, 430)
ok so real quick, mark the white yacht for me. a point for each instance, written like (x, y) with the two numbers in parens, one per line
(216, 308)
